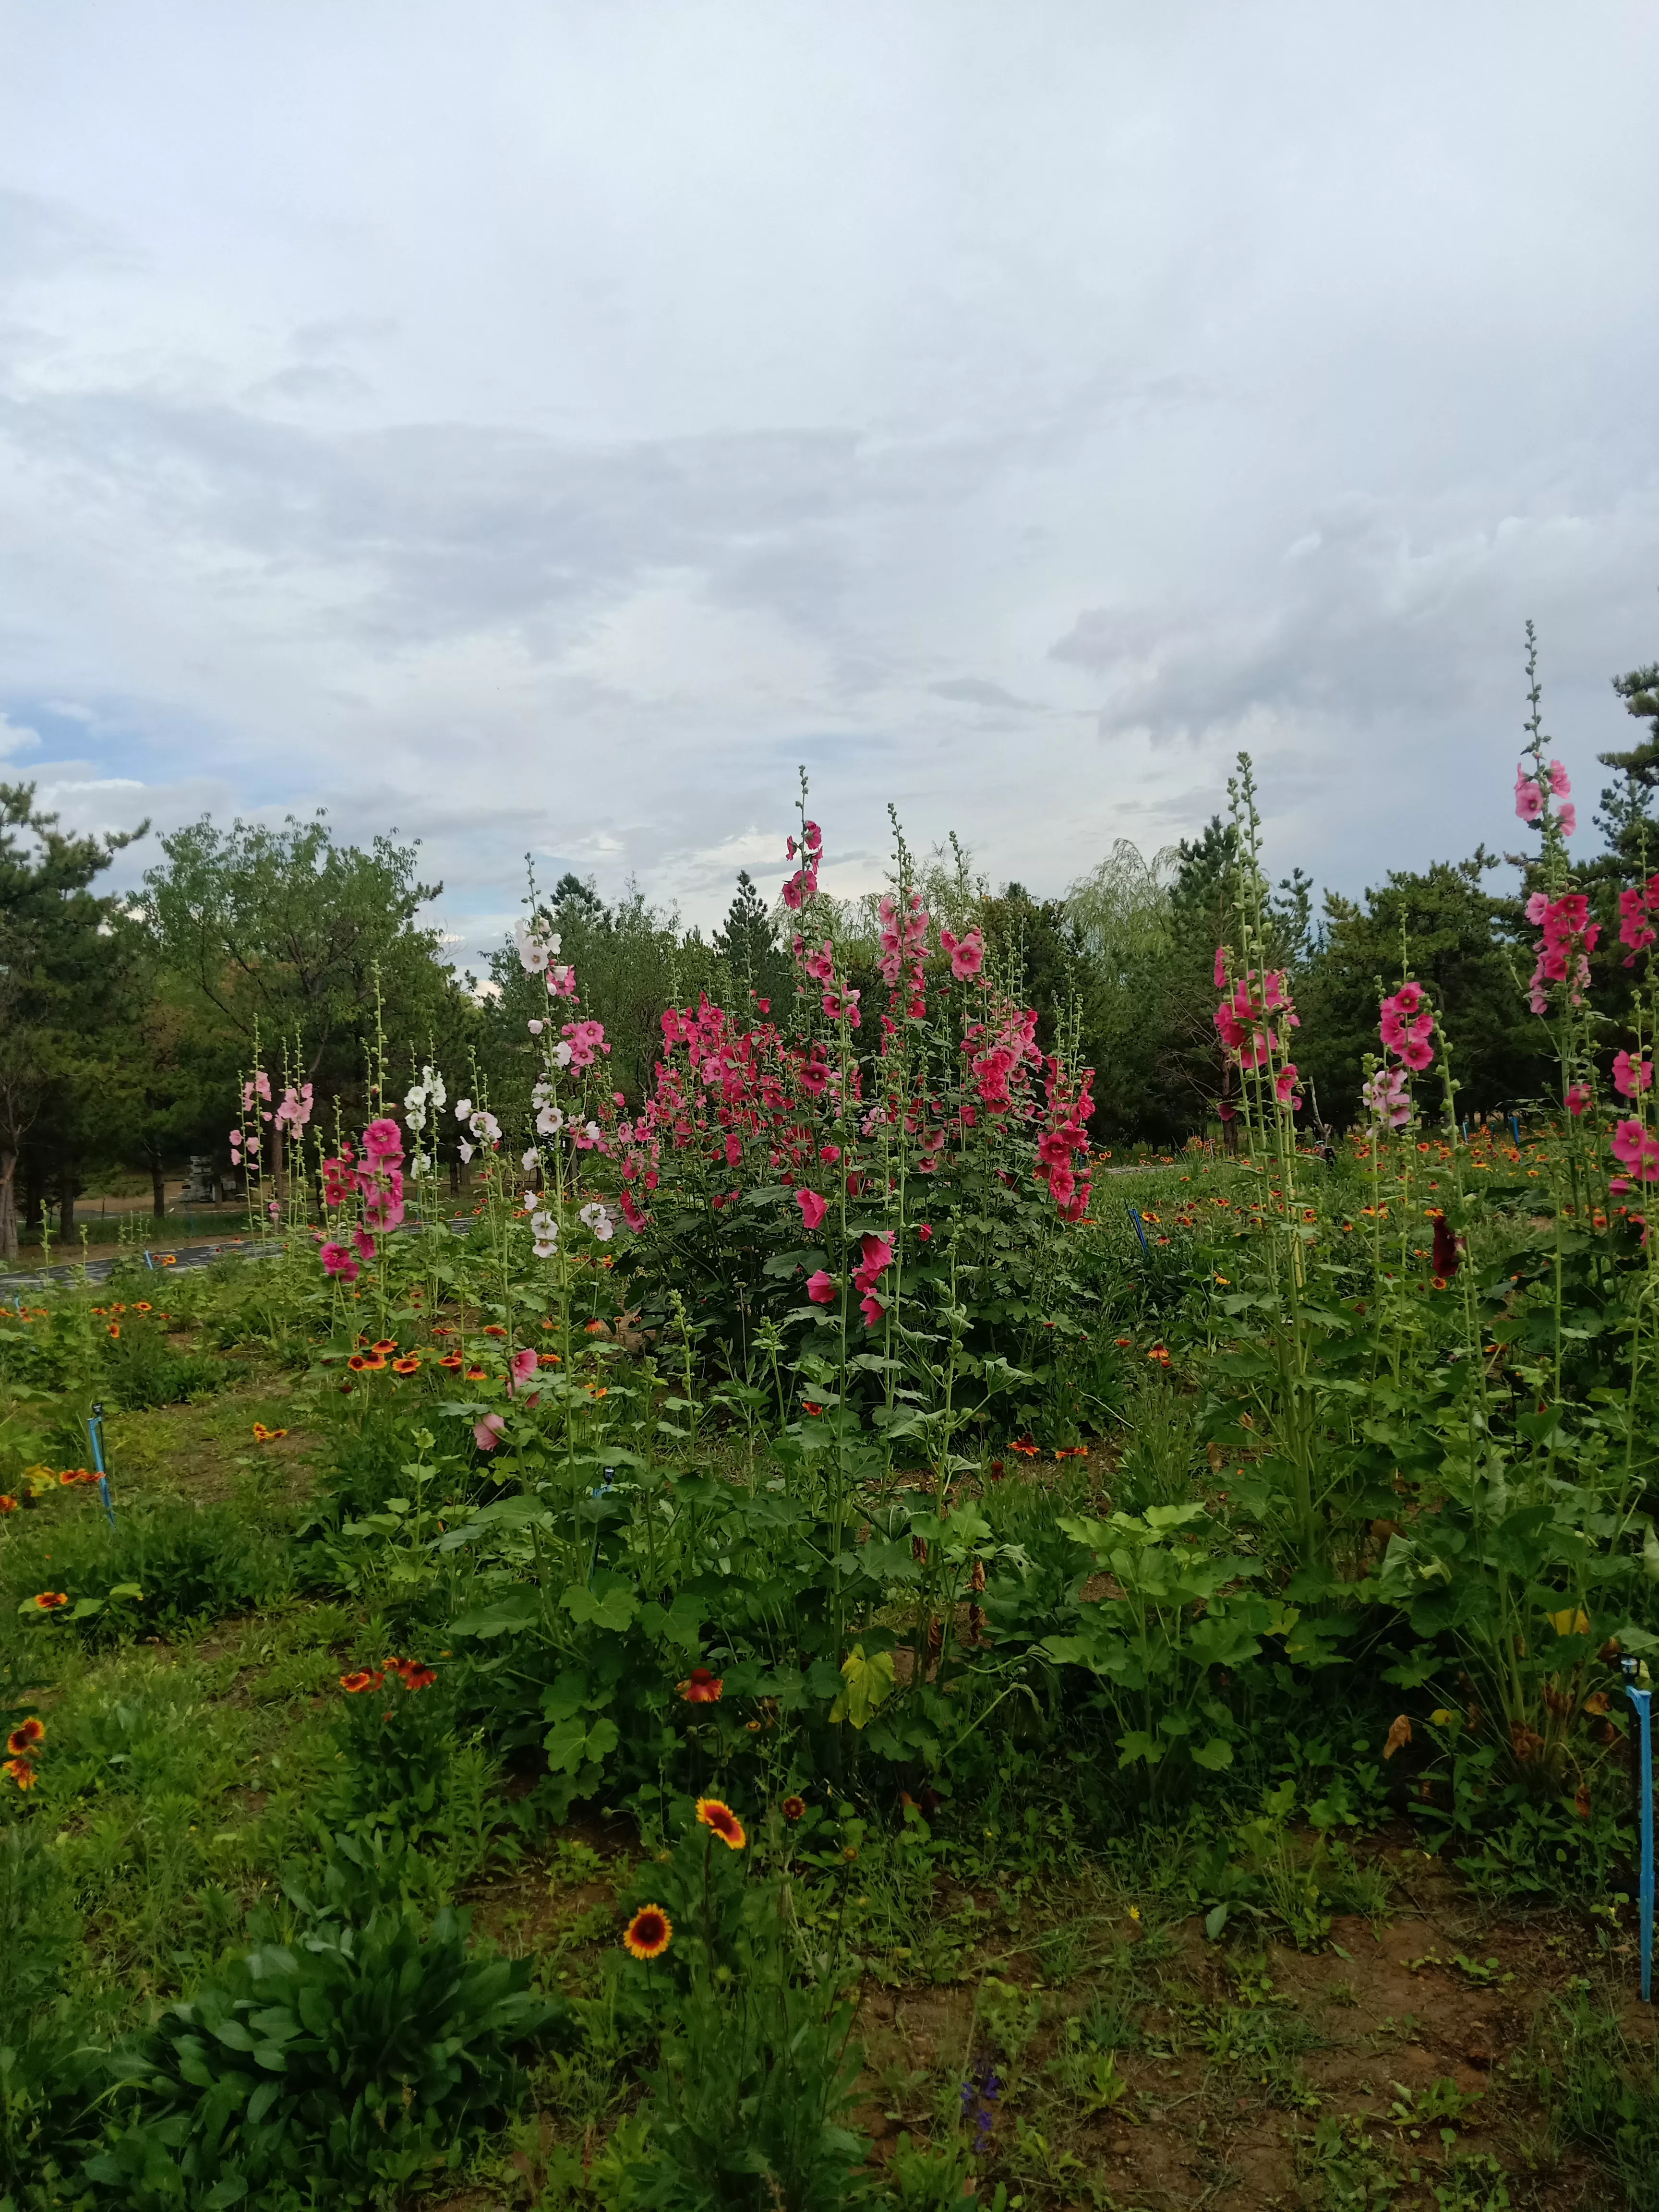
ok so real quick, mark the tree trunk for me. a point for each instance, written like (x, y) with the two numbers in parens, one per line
(158, 1187)
(8, 1205)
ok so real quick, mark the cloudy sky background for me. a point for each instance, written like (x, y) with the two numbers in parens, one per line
(539, 426)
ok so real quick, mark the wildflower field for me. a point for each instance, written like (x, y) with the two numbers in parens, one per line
(792, 1634)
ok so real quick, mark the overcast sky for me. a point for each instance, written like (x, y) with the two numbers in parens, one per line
(538, 425)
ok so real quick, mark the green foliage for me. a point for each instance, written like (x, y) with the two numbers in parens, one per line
(369, 2052)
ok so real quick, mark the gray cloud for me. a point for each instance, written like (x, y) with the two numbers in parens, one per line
(1010, 415)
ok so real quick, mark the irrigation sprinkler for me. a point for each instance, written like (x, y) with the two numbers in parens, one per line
(1643, 1701)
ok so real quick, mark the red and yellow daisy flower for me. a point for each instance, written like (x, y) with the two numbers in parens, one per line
(494, 1328)
(649, 1933)
(477, 1374)
(21, 1773)
(700, 1687)
(713, 1812)
(384, 1346)
(50, 1600)
(793, 1808)
(1023, 1446)
(417, 1677)
(114, 1329)
(451, 1360)
(409, 1365)
(375, 1364)
(24, 1737)
(7, 1503)
(356, 1362)
(360, 1678)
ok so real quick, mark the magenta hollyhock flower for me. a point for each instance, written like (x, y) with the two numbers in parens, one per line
(821, 966)
(383, 1141)
(337, 1259)
(1417, 1053)
(871, 1308)
(821, 1288)
(1221, 968)
(1062, 1186)
(487, 1433)
(1285, 1083)
(925, 1232)
(631, 1212)
(1577, 1099)
(813, 1208)
(1631, 1076)
(364, 1243)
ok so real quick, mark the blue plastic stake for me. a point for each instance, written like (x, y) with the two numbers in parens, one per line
(149, 1261)
(1643, 1701)
(95, 1432)
(1515, 1129)
(1140, 1231)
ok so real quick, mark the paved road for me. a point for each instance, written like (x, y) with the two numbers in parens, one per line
(182, 1255)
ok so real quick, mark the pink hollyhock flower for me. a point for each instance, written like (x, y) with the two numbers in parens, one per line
(1538, 906)
(1633, 928)
(821, 966)
(830, 1152)
(1221, 968)
(1631, 1076)
(1408, 998)
(631, 1212)
(561, 981)
(1529, 798)
(846, 1003)
(1285, 1083)
(1392, 1027)
(536, 1028)
(364, 1243)
(871, 1308)
(1558, 783)
(1627, 1138)
(1577, 1099)
(337, 1259)
(733, 1148)
(1062, 1186)
(383, 1141)
(814, 837)
(487, 1433)
(968, 957)
(821, 1288)
(1232, 1030)
(815, 1077)
(878, 1254)
(813, 1208)
(1418, 1053)
(523, 1365)
(1621, 1187)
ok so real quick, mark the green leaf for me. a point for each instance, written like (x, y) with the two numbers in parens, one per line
(1214, 1755)
(869, 1685)
(614, 1610)
(509, 1615)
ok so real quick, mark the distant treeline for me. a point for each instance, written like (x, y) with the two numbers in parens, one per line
(127, 1022)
